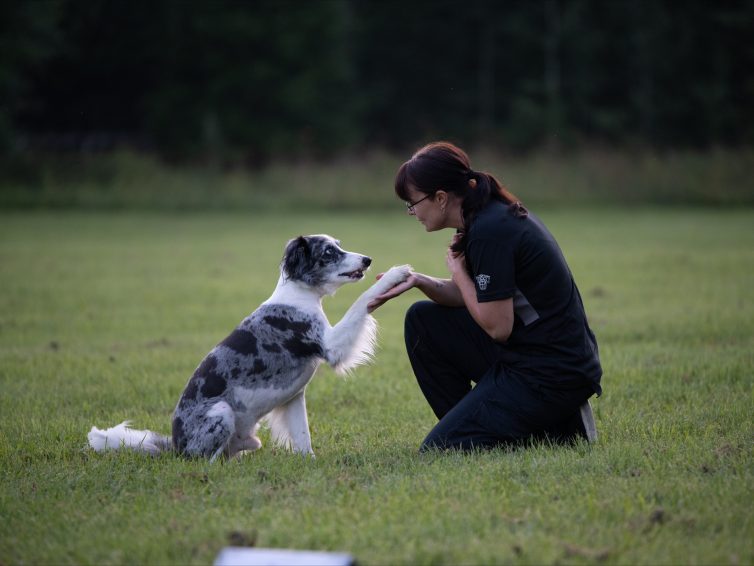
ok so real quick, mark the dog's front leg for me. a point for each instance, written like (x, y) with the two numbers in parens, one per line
(297, 424)
(351, 342)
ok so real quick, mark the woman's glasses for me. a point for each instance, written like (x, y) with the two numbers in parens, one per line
(410, 205)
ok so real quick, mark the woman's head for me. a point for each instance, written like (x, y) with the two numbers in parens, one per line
(437, 166)
(440, 173)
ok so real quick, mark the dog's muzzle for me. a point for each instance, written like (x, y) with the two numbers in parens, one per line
(359, 273)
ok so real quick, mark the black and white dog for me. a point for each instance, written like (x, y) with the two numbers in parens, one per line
(262, 369)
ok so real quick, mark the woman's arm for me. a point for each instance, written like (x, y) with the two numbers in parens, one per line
(495, 317)
(441, 291)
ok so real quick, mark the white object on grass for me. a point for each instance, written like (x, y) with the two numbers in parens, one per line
(243, 556)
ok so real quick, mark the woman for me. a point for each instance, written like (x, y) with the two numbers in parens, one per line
(509, 318)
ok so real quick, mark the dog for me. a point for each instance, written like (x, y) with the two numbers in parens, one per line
(261, 370)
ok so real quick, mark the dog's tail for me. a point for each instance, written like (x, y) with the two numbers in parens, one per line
(121, 436)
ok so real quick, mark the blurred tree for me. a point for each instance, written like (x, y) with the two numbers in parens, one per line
(242, 81)
(28, 38)
(266, 77)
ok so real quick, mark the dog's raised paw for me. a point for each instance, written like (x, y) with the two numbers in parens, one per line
(395, 275)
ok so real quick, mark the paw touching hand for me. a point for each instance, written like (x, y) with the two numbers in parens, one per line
(396, 281)
(395, 275)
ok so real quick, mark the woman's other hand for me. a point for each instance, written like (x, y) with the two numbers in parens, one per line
(456, 261)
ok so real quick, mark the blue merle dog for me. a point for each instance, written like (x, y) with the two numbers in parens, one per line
(262, 369)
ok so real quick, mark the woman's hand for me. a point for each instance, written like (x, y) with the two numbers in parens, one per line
(442, 291)
(456, 261)
(399, 289)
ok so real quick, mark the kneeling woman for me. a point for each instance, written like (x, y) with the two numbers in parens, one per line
(509, 319)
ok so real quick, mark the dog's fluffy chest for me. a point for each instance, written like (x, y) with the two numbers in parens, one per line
(271, 354)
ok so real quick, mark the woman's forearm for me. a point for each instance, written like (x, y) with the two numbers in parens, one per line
(442, 291)
(467, 291)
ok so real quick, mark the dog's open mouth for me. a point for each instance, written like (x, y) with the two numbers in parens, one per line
(356, 274)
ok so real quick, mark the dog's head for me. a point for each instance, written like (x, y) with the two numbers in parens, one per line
(319, 261)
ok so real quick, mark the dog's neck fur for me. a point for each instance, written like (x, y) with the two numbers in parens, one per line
(301, 295)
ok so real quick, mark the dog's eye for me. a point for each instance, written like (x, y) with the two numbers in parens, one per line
(329, 251)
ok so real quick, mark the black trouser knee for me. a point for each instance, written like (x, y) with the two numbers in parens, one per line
(448, 351)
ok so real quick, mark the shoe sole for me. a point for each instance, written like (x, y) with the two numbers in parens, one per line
(587, 418)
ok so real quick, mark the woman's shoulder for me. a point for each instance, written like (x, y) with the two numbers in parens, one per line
(495, 221)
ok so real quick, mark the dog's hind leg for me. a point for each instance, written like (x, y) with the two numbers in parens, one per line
(248, 444)
(206, 432)
(289, 425)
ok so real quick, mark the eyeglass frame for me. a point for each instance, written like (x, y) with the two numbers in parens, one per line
(410, 205)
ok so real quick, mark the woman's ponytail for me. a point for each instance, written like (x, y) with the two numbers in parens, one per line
(483, 188)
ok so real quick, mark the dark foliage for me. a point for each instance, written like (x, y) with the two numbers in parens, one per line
(243, 81)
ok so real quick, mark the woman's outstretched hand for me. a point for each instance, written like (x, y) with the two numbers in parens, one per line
(399, 289)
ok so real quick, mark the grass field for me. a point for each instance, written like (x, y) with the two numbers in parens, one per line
(103, 317)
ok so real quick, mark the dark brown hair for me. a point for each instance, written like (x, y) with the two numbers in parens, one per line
(444, 166)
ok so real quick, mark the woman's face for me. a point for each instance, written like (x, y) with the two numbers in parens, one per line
(437, 211)
(426, 209)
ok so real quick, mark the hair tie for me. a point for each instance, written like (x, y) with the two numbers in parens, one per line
(470, 175)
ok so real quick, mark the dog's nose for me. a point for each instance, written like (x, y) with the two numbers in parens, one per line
(367, 261)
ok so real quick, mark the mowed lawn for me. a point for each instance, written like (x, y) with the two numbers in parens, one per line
(104, 316)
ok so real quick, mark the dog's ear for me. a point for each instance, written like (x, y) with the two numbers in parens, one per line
(297, 258)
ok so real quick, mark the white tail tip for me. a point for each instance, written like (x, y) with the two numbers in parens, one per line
(121, 436)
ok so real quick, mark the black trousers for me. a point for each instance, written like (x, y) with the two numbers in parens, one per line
(448, 351)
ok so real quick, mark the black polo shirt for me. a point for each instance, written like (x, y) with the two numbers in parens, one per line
(551, 344)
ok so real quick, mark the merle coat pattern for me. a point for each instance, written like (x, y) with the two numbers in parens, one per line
(260, 371)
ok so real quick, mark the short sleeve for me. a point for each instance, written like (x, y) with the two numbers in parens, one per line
(492, 264)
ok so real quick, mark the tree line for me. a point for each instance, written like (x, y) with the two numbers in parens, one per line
(250, 80)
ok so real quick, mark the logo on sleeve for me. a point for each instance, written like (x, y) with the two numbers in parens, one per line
(482, 281)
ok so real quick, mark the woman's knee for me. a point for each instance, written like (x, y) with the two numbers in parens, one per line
(420, 309)
(465, 443)
(419, 314)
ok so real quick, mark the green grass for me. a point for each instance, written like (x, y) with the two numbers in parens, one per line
(103, 317)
